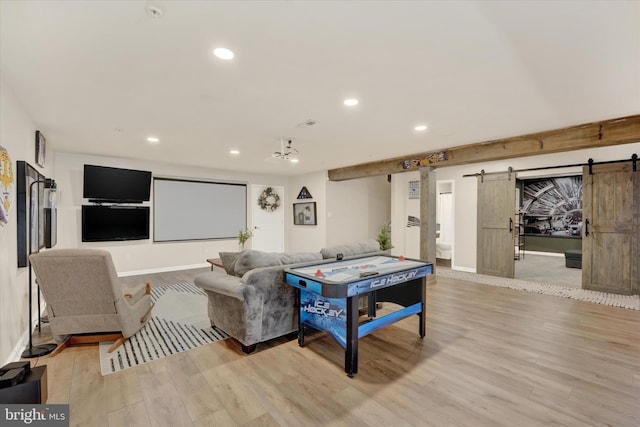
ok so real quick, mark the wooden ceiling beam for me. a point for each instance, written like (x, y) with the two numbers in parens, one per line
(624, 130)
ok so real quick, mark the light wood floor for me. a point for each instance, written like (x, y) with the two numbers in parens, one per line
(491, 357)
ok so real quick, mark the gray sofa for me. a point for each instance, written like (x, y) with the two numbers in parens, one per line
(250, 300)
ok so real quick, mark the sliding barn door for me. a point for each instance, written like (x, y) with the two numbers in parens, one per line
(611, 229)
(495, 251)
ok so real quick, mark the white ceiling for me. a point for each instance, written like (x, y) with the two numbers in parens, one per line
(100, 76)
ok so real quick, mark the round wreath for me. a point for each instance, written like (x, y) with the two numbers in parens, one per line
(269, 200)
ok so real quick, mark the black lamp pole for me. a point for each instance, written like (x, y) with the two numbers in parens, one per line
(43, 349)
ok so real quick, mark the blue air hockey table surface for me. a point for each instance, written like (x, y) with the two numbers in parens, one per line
(329, 294)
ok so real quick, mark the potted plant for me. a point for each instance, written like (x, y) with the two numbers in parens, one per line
(243, 236)
(384, 238)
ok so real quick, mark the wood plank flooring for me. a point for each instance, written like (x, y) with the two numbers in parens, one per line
(491, 357)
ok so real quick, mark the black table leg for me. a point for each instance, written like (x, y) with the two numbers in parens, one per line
(351, 354)
(423, 314)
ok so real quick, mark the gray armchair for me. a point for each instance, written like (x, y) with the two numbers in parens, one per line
(84, 296)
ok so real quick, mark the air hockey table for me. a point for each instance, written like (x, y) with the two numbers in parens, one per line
(329, 294)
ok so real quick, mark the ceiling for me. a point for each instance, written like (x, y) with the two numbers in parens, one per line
(100, 77)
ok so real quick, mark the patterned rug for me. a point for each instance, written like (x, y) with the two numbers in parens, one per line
(179, 322)
(615, 300)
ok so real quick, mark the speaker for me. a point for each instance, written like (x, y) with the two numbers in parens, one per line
(32, 389)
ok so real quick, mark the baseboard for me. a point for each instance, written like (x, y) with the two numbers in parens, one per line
(162, 269)
(23, 341)
(465, 269)
(556, 254)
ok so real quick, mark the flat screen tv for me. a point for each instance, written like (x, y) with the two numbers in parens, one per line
(114, 223)
(103, 183)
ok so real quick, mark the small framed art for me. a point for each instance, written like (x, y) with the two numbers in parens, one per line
(41, 149)
(304, 213)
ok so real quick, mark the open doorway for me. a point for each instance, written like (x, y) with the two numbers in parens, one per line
(549, 218)
(444, 223)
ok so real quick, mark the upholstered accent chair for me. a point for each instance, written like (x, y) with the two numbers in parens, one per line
(84, 296)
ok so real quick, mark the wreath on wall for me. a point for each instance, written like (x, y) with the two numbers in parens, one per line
(269, 200)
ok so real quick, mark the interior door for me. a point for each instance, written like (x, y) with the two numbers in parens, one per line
(495, 250)
(268, 233)
(611, 228)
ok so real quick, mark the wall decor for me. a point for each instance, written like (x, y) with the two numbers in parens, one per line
(28, 211)
(414, 189)
(304, 194)
(304, 213)
(425, 160)
(553, 206)
(7, 186)
(269, 200)
(41, 149)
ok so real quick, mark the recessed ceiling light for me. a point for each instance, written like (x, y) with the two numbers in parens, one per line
(223, 53)
(153, 139)
(294, 160)
(350, 102)
(234, 152)
(420, 127)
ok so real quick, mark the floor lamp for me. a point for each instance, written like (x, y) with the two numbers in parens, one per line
(42, 349)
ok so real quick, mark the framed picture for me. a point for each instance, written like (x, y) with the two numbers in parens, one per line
(30, 228)
(41, 149)
(304, 213)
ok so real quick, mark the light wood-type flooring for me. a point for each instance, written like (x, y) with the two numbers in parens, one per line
(491, 357)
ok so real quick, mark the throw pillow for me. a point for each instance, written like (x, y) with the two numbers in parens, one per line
(229, 260)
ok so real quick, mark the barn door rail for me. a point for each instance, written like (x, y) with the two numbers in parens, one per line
(633, 159)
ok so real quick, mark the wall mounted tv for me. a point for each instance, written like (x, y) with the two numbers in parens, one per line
(102, 183)
(114, 223)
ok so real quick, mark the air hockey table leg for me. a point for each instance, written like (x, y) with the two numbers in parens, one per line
(351, 353)
(423, 313)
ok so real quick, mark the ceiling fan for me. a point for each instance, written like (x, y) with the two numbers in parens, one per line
(287, 152)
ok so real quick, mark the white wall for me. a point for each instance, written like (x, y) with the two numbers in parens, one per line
(17, 136)
(357, 209)
(143, 255)
(405, 240)
(307, 238)
(465, 194)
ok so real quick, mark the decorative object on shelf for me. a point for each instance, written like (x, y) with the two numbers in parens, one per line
(41, 149)
(414, 189)
(304, 194)
(7, 186)
(269, 200)
(243, 236)
(384, 238)
(304, 213)
(425, 160)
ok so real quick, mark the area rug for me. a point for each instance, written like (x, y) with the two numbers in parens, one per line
(178, 322)
(615, 300)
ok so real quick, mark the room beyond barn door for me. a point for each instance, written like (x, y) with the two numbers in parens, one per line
(496, 201)
(611, 228)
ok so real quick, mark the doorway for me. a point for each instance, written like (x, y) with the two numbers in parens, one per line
(268, 226)
(445, 223)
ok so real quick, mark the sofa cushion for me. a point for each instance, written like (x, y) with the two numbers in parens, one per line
(248, 260)
(228, 260)
(360, 248)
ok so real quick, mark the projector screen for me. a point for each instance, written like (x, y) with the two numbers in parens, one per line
(197, 210)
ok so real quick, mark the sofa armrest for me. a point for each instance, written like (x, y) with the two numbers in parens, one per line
(221, 283)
